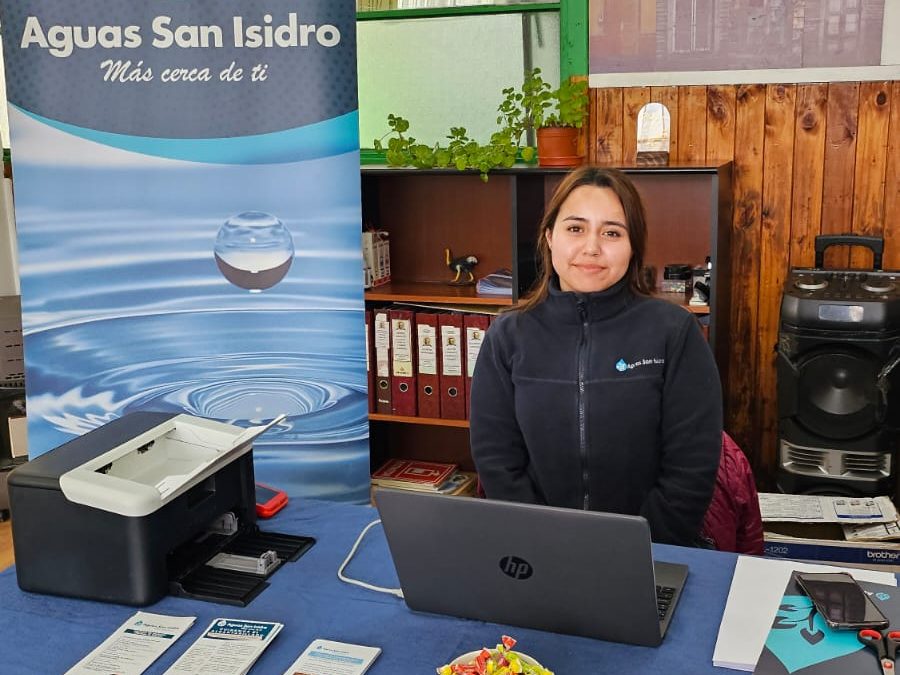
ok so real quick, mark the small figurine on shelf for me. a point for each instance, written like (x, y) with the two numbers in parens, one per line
(462, 265)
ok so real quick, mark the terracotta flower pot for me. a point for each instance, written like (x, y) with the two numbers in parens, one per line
(558, 146)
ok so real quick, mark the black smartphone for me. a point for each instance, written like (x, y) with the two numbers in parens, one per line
(841, 602)
(269, 500)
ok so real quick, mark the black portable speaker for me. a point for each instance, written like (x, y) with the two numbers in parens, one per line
(838, 381)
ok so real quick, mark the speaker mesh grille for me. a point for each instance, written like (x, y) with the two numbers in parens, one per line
(835, 463)
(806, 458)
(868, 463)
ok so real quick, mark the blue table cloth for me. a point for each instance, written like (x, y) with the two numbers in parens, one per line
(46, 634)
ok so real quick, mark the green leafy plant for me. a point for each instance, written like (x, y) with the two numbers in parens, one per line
(538, 105)
(571, 105)
(533, 105)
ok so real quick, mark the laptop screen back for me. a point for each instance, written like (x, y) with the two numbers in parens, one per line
(560, 570)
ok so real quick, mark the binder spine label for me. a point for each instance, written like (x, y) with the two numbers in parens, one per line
(402, 356)
(368, 347)
(450, 350)
(382, 345)
(427, 351)
(474, 338)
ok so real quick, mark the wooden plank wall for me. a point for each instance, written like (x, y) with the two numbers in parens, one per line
(809, 159)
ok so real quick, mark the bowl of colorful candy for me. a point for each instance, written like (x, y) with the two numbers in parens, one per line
(501, 660)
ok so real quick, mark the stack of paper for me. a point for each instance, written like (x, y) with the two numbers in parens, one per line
(821, 509)
(495, 283)
(227, 647)
(861, 518)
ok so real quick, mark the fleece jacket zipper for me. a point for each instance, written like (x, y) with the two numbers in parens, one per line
(582, 422)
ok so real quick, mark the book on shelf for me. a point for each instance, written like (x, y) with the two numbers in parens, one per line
(452, 367)
(460, 484)
(420, 363)
(381, 333)
(403, 356)
(475, 326)
(376, 258)
(428, 387)
(412, 474)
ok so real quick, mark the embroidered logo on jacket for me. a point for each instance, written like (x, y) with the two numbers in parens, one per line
(622, 365)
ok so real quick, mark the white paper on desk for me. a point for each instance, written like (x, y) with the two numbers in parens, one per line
(134, 645)
(227, 647)
(327, 657)
(820, 509)
(756, 590)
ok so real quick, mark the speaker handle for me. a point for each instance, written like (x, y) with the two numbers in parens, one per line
(875, 244)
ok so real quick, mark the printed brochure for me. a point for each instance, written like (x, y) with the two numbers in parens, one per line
(326, 657)
(227, 647)
(134, 645)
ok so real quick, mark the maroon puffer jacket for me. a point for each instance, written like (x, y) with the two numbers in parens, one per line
(732, 522)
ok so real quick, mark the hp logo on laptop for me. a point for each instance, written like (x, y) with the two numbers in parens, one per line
(516, 568)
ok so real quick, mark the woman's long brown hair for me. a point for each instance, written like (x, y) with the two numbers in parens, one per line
(635, 221)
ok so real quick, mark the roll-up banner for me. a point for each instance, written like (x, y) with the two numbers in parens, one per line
(188, 211)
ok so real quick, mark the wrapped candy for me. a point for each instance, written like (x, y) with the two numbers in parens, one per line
(498, 661)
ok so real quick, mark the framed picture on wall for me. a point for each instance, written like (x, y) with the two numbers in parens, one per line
(646, 42)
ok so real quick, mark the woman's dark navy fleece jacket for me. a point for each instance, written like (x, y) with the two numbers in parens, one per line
(604, 401)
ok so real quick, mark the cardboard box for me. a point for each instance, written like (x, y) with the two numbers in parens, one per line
(820, 529)
(825, 542)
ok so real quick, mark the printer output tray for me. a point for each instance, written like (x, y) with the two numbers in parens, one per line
(233, 587)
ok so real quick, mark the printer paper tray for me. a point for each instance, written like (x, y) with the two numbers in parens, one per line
(239, 588)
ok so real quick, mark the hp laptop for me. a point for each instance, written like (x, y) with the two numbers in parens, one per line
(561, 570)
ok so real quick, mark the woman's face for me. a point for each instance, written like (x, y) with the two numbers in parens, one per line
(589, 243)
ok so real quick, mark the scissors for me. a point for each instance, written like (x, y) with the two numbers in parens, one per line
(884, 645)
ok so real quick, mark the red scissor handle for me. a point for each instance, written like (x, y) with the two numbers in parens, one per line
(874, 639)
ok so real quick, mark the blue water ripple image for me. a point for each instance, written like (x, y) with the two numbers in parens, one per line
(125, 308)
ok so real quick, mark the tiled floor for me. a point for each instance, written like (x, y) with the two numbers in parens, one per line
(6, 547)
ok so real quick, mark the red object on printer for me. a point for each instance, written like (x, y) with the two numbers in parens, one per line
(269, 500)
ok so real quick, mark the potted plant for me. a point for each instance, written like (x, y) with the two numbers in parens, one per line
(556, 115)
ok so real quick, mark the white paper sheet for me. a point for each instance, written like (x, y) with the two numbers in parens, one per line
(820, 509)
(327, 657)
(756, 590)
(227, 647)
(134, 645)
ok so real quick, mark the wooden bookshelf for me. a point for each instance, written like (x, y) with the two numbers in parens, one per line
(434, 293)
(682, 300)
(428, 421)
(428, 211)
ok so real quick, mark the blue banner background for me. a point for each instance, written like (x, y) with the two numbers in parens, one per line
(194, 246)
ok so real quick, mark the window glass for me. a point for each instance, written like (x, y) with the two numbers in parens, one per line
(449, 71)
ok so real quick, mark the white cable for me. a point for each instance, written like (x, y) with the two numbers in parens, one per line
(393, 591)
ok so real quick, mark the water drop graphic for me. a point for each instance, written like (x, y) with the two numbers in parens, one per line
(621, 366)
(254, 250)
